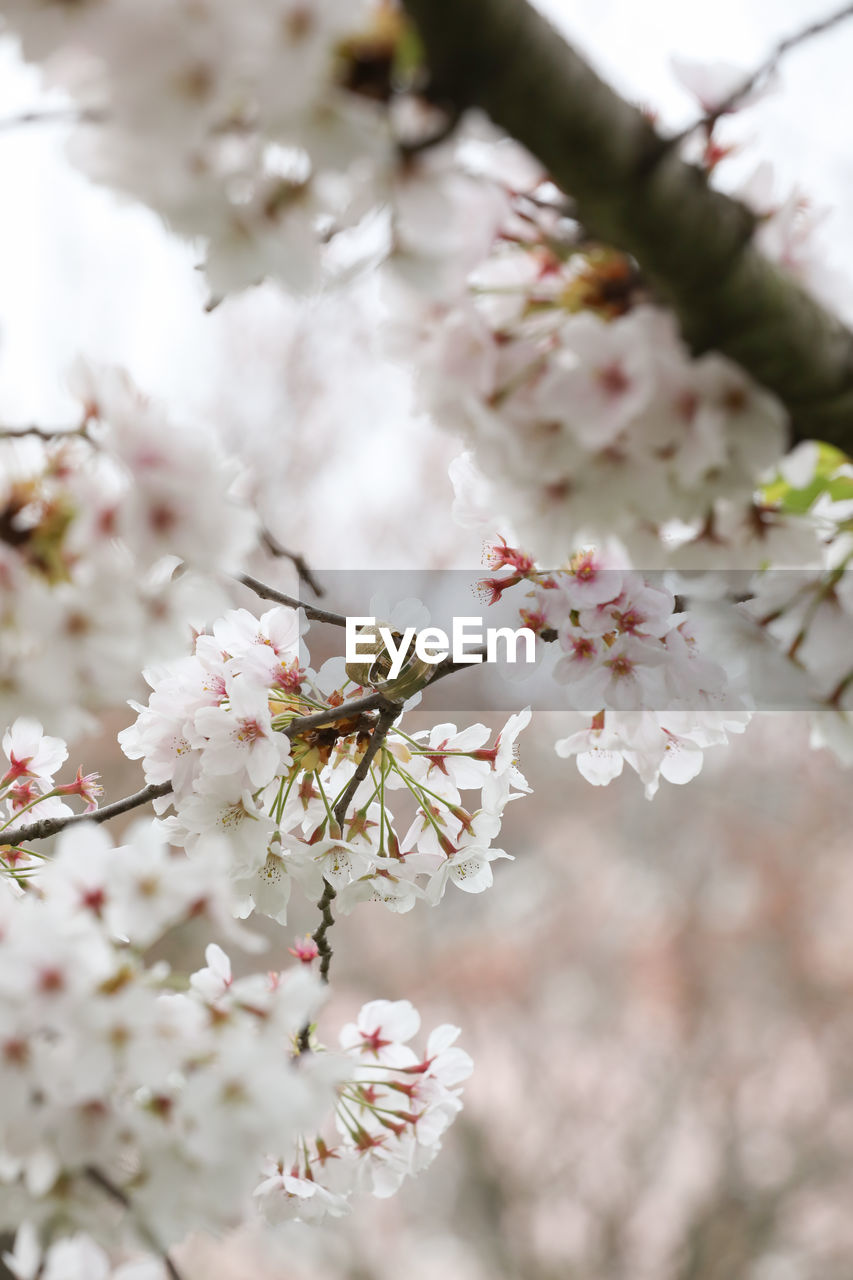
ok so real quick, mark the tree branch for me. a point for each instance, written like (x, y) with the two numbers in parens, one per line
(386, 718)
(42, 828)
(280, 597)
(303, 570)
(633, 190)
(49, 434)
(375, 701)
(324, 949)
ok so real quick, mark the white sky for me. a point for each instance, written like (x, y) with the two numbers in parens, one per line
(81, 271)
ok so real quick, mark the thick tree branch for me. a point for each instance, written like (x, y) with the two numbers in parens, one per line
(633, 190)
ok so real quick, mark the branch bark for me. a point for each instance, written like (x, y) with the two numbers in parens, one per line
(303, 570)
(265, 592)
(44, 827)
(632, 190)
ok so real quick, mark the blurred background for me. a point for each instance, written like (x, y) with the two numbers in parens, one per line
(658, 996)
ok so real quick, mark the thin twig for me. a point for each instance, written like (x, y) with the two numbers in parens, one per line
(54, 115)
(324, 950)
(281, 597)
(48, 434)
(764, 71)
(45, 827)
(109, 1188)
(304, 571)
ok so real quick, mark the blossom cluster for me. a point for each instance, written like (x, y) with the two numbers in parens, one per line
(587, 419)
(27, 786)
(222, 726)
(791, 643)
(630, 661)
(229, 122)
(121, 1081)
(109, 535)
(270, 134)
(286, 137)
(392, 1110)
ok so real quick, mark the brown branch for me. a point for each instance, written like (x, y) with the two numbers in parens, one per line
(319, 935)
(375, 701)
(115, 1193)
(48, 434)
(384, 722)
(633, 190)
(303, 570)
(324, 950)
(281, 597)
(42, 828)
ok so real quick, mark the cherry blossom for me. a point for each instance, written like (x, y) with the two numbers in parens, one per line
(393, 1109)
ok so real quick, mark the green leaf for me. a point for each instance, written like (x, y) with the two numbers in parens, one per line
(779, 493)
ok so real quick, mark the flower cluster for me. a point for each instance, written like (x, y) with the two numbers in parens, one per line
(27, 785)
(392, 1110)
(791, 644)
(235, 125)
(631, 662)
(784, 634)
(285, 137)
(222, 726)
(93, 526)
(120, 1080)
(588, 419)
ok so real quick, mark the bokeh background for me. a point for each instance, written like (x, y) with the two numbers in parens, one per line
(658, 995)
